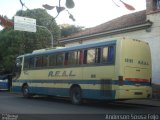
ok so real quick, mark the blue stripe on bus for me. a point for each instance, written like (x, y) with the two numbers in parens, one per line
(107, 82)
(16, 88)
(86, 93)
(3, 85)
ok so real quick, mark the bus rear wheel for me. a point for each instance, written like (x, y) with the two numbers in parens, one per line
(25, 91)
(75, 95)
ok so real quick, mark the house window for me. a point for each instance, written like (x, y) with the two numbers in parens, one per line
(158, 4)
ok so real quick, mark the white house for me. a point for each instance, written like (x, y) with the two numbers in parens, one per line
(143, 25)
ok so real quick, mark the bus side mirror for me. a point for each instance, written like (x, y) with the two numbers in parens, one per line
(18, 65)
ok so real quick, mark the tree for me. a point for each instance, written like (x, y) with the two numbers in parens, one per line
(67, 29)
(14, 43)
(10, 44)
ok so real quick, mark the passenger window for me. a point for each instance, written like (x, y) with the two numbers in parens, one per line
(73, 58)
(45, 61)
(26, 62)
(105, 55)
(111, 54)
(85, 57)
(98, 55)
(108, 54)
(81, 57)
(59, 59)
(38, 61)
(66, 59)
(31, 62)
(52, 60)
(91, 56)
(56, 59)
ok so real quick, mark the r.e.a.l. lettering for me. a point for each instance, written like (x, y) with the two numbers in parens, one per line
(61, 74)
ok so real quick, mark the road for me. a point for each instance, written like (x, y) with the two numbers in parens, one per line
(15, 104)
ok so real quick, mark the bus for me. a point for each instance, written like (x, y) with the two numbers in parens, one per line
(3, 82)
(114, 69)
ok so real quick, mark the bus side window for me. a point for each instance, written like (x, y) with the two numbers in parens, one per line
(26, 63)
(31, 62)
(91, 53)
(73, 58)
(81, 57)
(44, 61)
(98, 55)
(66, 59)
(52, 60)
(38, 61)
(111, 54)
(77, 58)
(85, 57)
(104, 54)
(59, 59)
(108, 54)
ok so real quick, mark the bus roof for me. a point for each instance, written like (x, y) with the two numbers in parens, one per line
(77, 47)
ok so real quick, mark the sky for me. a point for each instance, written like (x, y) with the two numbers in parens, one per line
(88, 13)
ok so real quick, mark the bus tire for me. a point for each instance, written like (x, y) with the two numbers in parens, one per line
(25, 91)
(76, 95)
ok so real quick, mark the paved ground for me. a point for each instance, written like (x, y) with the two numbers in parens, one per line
(58, 108)
(147, 102)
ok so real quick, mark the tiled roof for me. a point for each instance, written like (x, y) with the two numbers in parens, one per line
(124, 21)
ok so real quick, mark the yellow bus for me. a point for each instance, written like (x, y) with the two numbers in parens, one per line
(116, 69)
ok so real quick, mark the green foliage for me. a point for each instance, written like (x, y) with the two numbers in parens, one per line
(67, 29)
(70, 4)
(10, 44)
(14, 43)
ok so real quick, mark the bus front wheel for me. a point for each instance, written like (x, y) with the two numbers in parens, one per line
(75, 95)
(25, 91)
